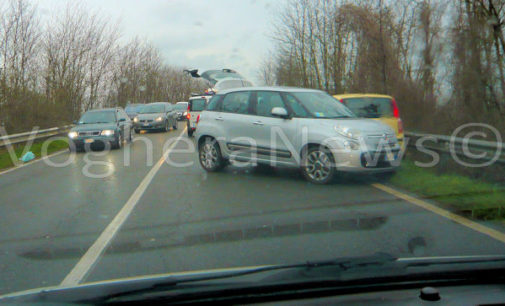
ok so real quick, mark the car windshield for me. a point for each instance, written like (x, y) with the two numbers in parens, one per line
(322, 105)
(370, 107)
(142, 138)
(98, 117)
(131, 109)
(181, 106)
(152, 108)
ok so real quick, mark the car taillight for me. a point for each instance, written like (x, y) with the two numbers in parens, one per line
(400, 126)
(188, 116)
(197, 119)
(394, 107)
(342, 101)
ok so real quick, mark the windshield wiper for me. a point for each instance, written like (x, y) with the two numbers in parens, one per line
(334, 117)
(341, 264)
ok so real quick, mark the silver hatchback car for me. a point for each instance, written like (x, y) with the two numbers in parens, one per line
(283, 126)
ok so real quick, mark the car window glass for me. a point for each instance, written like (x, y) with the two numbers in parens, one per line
(214, 104)
(266, 101)
(370, 107)
(236, 102)
(197, 105)
(98, 117)
(295, 106)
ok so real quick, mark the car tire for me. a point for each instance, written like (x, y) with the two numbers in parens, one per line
(209, 155)
(137, 131)
(118, 143)
(74, 149)
(318, 165)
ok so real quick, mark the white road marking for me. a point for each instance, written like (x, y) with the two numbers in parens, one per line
(33, 162)
(90, 258)
(444, 213)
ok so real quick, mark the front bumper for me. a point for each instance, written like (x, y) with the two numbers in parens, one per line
(82, 141)
(368, 161)
(149, 125)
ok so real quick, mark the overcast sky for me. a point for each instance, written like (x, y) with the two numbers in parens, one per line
(203, 34)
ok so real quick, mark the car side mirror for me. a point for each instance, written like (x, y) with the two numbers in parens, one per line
(122, 119)
(280, 112)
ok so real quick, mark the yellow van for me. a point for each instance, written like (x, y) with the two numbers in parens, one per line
(375, 106)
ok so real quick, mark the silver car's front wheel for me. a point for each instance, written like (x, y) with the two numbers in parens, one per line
(210, 155)
(318, 165)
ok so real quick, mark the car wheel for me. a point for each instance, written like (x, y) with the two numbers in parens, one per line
(73, 149)
(137, 131)
(210, 156)
(318, 165)
(119, 142)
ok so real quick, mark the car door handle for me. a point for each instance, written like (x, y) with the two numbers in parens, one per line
(258, 123)
(219, 118)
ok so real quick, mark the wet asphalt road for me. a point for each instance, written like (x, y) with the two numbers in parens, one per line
(188, 219)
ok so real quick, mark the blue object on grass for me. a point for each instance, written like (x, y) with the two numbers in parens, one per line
(27, 157)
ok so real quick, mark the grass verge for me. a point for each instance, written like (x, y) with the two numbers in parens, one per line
(465, 195)
(36, 148)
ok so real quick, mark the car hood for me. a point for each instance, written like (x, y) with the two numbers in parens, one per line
(401, 266)
(150, 116)
(59, 294)
(94, 127)
(366, 126)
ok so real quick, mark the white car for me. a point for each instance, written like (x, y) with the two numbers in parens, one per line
(181, 109)
(195, 107)
(292, 127)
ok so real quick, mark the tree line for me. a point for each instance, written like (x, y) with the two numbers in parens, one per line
(52, 71)
(443, 60)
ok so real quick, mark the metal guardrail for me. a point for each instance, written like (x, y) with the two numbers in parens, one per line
(461, 147)
(35, 135)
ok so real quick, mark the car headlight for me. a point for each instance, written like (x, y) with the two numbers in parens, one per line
(107, 132)
(136, 119)
(159, 119)
(72, 134)
(348, 132)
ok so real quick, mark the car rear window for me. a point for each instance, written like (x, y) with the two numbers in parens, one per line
(370, 107)
(197, 105)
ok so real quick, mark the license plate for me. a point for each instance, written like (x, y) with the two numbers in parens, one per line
(89, 140)
(390, 156)
(146, 124)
